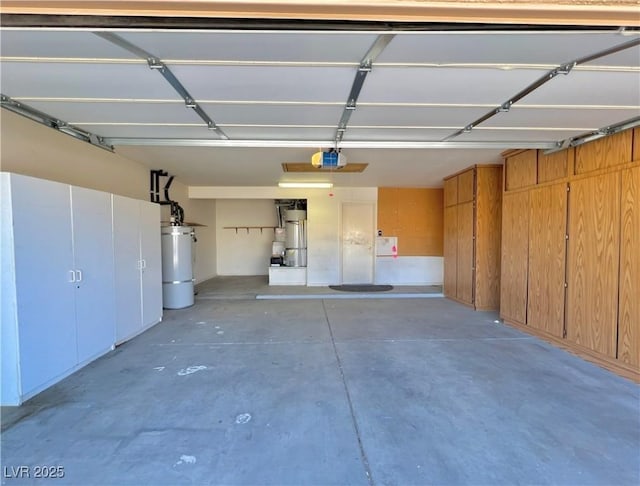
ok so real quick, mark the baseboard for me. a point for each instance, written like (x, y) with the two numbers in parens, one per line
(587, 354)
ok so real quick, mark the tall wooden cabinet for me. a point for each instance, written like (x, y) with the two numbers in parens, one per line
(571, 248)
(472, 220)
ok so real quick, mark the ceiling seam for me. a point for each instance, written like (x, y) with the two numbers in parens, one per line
(506, 66)
(374, 104)
(156, 64)
(378, 144)
(562, 69)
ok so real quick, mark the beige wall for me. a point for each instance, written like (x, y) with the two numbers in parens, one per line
(32, 149)
(35, 150)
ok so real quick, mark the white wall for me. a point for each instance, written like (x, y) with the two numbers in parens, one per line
(242, 252)
(324, 209)
(410, 270)
(203, 212)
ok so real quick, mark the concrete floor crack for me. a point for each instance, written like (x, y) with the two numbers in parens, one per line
(363, 454)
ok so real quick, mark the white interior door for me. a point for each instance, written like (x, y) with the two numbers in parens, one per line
(93, 255)
(357, 243)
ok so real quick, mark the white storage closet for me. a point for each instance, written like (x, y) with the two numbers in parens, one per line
(58, 282)
(138, 272)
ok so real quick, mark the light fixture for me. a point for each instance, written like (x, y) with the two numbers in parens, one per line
(306, 185)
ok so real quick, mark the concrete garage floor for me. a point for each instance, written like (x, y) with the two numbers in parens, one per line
(404, 392)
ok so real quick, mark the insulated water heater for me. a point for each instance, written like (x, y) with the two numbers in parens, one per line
(296, 238)
(177, 266)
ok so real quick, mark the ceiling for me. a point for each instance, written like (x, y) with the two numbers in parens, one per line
(279, 96)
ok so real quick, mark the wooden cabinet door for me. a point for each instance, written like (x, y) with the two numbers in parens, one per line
(515, 250)
(547, 248)
(450, 192)
(464, 270)
(593, 262)
(629, 305)
(487, 250)
(450, 250)
(466, 186)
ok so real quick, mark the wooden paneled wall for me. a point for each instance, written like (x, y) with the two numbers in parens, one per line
(415, 216)
(571, 248)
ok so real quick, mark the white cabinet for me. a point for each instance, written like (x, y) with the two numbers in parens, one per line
(57, 282)
(138, 271)
(94, 263)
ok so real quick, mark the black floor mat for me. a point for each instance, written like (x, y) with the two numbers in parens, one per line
(362, 288)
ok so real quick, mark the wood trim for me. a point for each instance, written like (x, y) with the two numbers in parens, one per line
(546, 12)
(474, 166)
(512, 152)
(607, 363)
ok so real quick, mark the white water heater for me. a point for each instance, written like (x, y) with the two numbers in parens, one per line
(177, 266)
(296, 238)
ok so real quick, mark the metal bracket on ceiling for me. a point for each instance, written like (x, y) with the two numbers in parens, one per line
(53, 122)
(156, 64)
(363, 70)
(565, 69)
(595, 135)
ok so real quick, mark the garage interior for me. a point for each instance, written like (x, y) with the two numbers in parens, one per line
(492, 180)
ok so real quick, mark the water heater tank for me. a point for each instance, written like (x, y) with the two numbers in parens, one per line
(177, 267)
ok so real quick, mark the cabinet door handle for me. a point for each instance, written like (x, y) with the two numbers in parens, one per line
(73, 276)
(139, 264)
(79, 272)
(144, 263)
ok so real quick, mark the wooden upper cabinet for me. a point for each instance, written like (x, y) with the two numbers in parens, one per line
(636, 144)
(629, 305)
(553, 166)
(593, 261)
(451, 192)
(466, 186)
(521, 170)
(605, 152)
